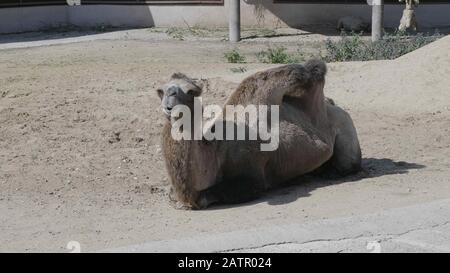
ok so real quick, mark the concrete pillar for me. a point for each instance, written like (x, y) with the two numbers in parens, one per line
(234, 14)
(377, 19)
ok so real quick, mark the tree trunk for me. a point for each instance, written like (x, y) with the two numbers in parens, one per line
(408, 20)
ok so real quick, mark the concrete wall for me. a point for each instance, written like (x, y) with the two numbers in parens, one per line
(271, 15)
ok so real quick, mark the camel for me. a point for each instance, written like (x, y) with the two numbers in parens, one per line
(314, 135)
(353, 24)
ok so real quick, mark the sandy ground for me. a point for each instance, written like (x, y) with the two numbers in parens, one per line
(79, 142)
(423, 227)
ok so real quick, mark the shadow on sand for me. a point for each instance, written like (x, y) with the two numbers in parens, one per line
(304, 185)
(84, 20)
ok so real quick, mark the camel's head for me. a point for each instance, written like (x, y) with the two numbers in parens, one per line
(180, 90)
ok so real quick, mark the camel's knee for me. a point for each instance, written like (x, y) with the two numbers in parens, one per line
(347, 162)
(346, 157)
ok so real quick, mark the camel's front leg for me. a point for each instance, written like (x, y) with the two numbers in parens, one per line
(346, 157)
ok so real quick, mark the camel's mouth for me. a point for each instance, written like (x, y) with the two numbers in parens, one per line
(167, 112)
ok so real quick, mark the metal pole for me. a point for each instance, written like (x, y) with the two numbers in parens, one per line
(377, 19)
(235, 20)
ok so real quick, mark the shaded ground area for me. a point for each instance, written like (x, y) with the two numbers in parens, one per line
(80, 156)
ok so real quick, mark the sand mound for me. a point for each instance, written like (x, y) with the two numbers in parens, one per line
(436, 51)
(416, 82)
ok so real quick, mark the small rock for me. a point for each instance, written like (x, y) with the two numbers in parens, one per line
(114, 138)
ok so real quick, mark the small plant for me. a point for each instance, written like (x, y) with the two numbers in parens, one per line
(175, 33)
(240, 69)
(234, 57)
(100, 28)
(260, 33)
(277, 55)
(198, 32)
(180, 33)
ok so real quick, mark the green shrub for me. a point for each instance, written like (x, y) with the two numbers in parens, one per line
(277, 55)
(353, 48)
(234, 57)
(346, 49)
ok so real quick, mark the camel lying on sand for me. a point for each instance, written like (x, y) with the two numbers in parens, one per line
(313, 133)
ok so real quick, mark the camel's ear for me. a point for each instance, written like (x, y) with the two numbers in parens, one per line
(196, 89)
(160, 93)
(193, 87)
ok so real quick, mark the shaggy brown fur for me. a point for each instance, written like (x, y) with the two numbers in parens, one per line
(313, 131)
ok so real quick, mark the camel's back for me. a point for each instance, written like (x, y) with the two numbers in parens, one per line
(263, 86)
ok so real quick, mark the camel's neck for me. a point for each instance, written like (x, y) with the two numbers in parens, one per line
(191, 163)
(178, 163)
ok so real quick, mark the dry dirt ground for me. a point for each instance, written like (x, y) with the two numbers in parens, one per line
(79, 142)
